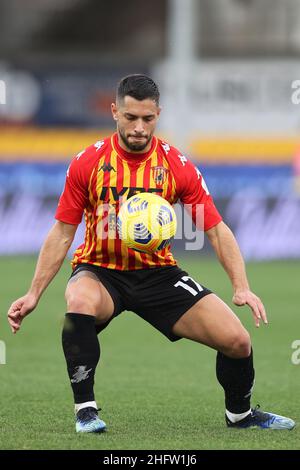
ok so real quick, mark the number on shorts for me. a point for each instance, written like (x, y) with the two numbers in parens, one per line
(184, 284)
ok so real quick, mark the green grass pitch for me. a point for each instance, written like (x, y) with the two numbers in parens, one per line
(153, 394)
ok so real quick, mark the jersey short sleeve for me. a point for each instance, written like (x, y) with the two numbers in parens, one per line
(194, 194)
(74, 197)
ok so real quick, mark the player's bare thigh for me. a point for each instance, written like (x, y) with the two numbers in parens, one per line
(85, 294)
(210, 321)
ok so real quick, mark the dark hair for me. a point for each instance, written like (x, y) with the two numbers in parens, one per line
(138, 86)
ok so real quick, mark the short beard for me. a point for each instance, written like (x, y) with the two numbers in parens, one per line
(134, 147)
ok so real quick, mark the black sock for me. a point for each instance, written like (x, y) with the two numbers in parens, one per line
(237, 378)
(82, 353)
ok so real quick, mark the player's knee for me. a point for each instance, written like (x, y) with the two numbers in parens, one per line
(81, 303)
(239, 345)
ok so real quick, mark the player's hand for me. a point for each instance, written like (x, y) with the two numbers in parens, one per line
(19, 309)
(246, 297)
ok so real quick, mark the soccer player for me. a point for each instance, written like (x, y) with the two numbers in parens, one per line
(108, 277)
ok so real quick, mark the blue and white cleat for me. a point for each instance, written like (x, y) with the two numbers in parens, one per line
(263, 420)
(87, 420)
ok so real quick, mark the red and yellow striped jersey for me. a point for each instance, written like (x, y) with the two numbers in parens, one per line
(102, 176)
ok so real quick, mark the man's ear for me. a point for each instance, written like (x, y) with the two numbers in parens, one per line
(114, 111)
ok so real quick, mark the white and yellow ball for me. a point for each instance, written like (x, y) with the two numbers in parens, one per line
(146, 222)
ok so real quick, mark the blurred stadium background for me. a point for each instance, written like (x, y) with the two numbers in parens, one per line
(225, 69)
(229, 74)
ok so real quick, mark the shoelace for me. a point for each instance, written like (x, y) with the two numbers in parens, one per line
(260, 416)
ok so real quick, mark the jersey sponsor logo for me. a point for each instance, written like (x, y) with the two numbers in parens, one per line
(107, 167)
(112, 193)
(159, 174)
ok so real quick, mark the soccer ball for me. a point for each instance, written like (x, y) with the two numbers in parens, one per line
(146, 222)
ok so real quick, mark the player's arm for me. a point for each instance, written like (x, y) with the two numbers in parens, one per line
(194, 192)
(72, 203)
(228, 252)
(51, 257)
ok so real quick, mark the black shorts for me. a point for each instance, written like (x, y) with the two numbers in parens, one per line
(158, 295)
